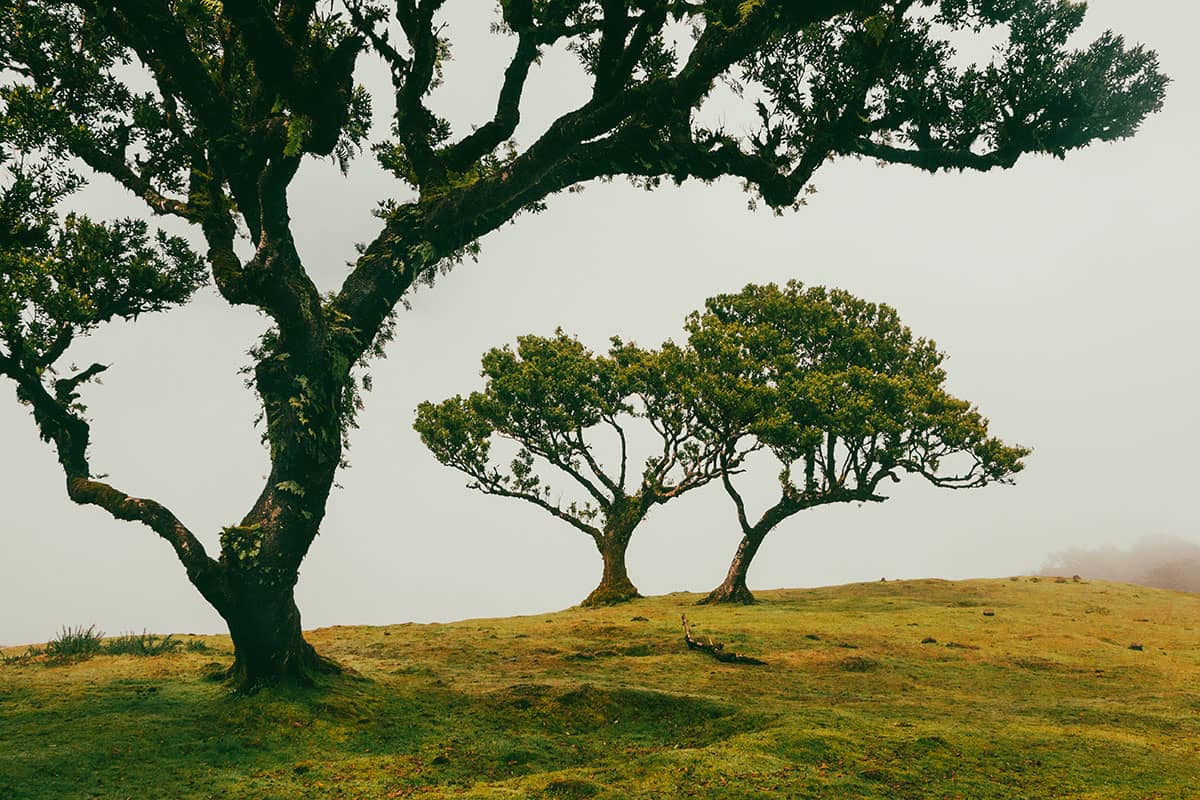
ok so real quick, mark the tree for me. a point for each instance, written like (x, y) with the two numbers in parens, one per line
(842, 395)
(556, 399)
(207, 109)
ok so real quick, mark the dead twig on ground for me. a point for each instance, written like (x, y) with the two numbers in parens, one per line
(715, 649)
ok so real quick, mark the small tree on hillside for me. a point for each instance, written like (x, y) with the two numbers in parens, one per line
(843, 396)
(557, 401)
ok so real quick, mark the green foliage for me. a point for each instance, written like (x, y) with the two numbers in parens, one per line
(841, 392)
(74, 97)
(31, 654)
(79, 643)
(298, 129)
(911, 104)
(553, 397)
(544, 396)
(241, 545)
(61, 278)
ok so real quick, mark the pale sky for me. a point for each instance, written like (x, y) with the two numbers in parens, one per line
(1063, 291)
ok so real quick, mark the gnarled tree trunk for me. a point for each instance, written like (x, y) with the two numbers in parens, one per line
(268, 645)
(733, 589)
(615, 586)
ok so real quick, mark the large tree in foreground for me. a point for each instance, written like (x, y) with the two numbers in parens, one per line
(570, 410)
(207, 109)
(842, 395)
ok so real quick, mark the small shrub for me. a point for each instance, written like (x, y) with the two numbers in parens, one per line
(199, 645)
(143, 644)
(75, 643)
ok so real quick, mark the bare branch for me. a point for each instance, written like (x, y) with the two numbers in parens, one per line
(496, 488)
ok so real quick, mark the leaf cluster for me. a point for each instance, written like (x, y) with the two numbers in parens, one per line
(62, 277)
(886, 83)
(838, 388)
(554, 398)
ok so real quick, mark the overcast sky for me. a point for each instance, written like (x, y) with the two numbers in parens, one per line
(1064, 293)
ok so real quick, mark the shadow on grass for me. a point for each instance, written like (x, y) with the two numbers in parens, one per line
(126, 736)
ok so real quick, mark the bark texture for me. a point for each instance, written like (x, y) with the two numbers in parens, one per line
(733, 589)
(269, 647)
(615, 586)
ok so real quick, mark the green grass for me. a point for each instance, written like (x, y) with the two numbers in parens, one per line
(1042, 699)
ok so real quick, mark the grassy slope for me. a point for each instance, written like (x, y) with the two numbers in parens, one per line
(1045, 700)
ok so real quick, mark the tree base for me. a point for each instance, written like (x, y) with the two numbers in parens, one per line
(611, 594)
(728, 594)
(299, 666)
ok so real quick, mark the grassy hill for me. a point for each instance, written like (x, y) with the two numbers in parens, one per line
(1043, 697)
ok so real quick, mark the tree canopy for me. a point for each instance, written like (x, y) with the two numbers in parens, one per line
(844, 397)
(565, 408)
(207, 109)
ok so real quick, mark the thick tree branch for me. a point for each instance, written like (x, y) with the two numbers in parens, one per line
(579, 446)
(151, 28)
(201, 569)
(935, 158)
(460, 156)
(70, 433)
(738, 502)
(414, 121)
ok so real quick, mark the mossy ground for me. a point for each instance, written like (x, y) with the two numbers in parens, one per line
(1041, 699)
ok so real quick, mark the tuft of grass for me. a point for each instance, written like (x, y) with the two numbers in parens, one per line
(142, 644)
(75, 644)
(79, 644)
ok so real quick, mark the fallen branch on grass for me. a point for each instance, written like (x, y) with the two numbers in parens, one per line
(714, 649)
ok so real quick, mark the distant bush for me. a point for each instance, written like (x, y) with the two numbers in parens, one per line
(1163, 562)
(196, 646)
(74, 644)
(143, 644)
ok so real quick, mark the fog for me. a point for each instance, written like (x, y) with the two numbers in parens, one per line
(1164, 562)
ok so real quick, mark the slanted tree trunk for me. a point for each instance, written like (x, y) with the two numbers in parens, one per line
(733, 589)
